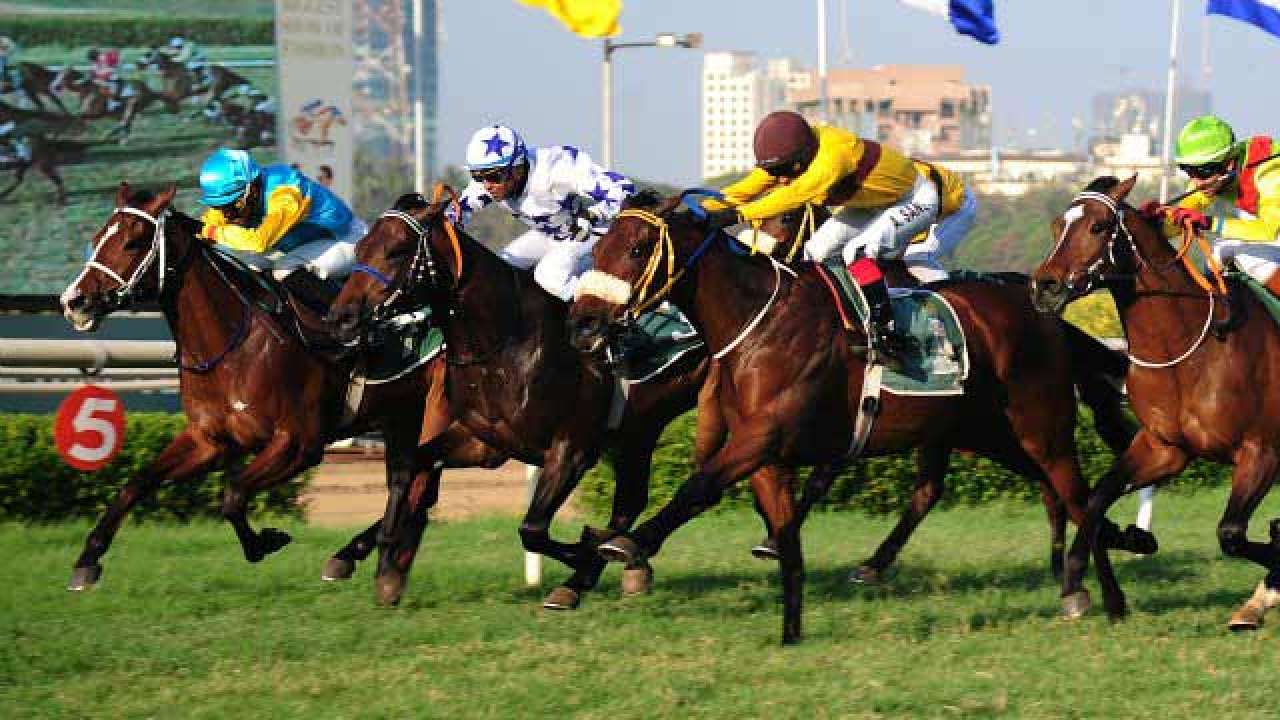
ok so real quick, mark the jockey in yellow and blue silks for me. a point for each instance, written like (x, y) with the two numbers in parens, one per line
(1236, 195)
(880, 200)
(275, 217)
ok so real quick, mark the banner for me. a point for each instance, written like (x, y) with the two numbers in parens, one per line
(316, 63)
(975, 18)
(588, 18)
(1265, 14)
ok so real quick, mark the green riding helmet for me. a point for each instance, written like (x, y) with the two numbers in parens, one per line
(1207, 139)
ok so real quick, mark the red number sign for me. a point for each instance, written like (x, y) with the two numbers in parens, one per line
(89, 428)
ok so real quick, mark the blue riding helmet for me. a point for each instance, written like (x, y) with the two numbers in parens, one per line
(225, 175)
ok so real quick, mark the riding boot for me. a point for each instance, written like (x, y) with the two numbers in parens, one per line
(892, 348)
(1233, 308)
(309, 289)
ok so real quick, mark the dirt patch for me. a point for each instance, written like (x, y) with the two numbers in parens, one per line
(350, 489)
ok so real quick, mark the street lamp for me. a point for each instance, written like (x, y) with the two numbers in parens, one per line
(662, 40)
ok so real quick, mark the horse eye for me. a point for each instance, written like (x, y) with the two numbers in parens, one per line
(637, 251)
(1098, 228)
(136, 242)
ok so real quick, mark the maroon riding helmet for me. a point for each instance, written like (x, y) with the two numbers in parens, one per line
(784, 144)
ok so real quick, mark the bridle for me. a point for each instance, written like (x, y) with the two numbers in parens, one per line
(1094, 279)
(125, 291)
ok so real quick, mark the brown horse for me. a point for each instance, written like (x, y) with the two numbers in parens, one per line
(790, 379)
(249, 383)
(37, 83)
(514, 380)
(1196, 393)
(1095, 370)
(180, 83)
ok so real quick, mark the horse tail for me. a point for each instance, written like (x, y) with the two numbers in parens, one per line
(1097, 373)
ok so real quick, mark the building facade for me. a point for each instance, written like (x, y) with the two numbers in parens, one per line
(920, 109)
(737, 91)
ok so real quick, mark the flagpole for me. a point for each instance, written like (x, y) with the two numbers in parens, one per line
(822, 61)
(1170, 91)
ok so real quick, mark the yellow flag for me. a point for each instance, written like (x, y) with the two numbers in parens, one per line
(588, 18)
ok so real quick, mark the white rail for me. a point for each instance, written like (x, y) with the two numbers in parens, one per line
(86, 354)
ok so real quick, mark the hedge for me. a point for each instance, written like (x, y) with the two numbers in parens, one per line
(36, 486)
(136, 30)
(881, 485)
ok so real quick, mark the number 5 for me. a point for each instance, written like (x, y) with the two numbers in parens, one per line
(86, 422)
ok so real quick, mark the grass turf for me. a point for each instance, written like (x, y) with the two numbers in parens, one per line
(967, 626)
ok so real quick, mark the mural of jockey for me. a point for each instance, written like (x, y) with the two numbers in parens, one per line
(313, 122)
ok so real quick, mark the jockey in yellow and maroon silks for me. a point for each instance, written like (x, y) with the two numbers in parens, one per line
(1237, 196)
(880, 199)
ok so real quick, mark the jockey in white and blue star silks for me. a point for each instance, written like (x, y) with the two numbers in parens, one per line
(566, 199)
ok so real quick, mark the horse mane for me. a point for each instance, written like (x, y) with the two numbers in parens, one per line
(410, 201)
(1102, 184)
(644, 200)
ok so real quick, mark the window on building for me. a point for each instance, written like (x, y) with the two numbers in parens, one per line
(885, 107)
(947, 109)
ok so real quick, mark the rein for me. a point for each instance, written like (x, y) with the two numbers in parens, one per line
(1189, 236)
(642, 300)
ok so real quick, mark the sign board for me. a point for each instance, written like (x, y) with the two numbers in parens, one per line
(317, 65)
(89, 428)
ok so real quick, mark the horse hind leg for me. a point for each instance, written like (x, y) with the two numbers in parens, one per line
(186, 457)
(932, 462)
(1254, 474)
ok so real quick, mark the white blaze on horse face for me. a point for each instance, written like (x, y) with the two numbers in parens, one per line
(1073, 213)
(72, 290)
(610, 288)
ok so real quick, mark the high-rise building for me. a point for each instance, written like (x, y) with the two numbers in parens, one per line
(736, 93)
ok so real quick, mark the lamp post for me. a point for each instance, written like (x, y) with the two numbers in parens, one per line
(661, 40)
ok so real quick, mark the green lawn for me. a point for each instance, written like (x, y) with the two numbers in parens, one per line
(181, 627)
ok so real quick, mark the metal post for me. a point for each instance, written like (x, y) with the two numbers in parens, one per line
(419, 104)
(532, 561)
(1147, 496)
(606, 109)
(1166, 150)
(822, 61)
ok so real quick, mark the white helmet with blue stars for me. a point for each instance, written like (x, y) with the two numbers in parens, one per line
(496, 146)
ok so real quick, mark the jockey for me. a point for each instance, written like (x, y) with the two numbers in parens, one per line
(881, 199)
(957, 213)
(565, 198)
(8, 51)
(275, 217)
(1241, 181)
(104, 72)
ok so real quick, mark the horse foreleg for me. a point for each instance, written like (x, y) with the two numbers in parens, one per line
(1056, 512)
(282, 459)
(772, 488)
(342, 565)
(402, 524)
(1255, 471)
(187, 456)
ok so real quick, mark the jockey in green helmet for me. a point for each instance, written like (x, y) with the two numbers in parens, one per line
(1236, 195)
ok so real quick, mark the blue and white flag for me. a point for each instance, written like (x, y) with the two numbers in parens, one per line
(975, 18)
(1263, 13)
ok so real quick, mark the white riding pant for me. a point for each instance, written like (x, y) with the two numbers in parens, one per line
(557, 264)
(328, 258)
(924, 259)
(1258, 260)
(880, 233)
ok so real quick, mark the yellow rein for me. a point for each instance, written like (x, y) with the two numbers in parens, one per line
(641, 300)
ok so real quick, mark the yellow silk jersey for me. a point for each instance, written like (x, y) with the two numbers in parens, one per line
(821, 183)
(285, 207)
(1260, 205)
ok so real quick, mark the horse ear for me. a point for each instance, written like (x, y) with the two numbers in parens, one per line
(1121, 191)
(166, 195)
(122, 194)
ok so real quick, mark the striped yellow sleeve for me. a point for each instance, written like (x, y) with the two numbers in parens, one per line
(1266, 225)
(285, 207)
(1195, 201)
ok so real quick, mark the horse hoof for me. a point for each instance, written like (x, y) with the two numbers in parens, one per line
(865, 575)
(338, 569)
(1075, 605)
(389, 589)
(766, 549)
(620, 549)
(84, 578)
(562, 598)
(637, 579)
(1245, 619)
(271, 540)
(1139, 541)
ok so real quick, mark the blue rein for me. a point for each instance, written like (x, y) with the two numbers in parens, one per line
(372, 272)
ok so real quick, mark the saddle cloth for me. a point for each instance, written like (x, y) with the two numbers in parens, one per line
(941, 363)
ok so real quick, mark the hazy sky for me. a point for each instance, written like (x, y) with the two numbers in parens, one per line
(504, 62)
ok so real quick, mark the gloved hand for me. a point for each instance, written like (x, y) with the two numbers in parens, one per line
(1199, 221)
(1152, 210)
(718, 219)
(582, 229)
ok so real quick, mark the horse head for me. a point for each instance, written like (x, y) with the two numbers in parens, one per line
(129, 244)
(398, 266)
(636, 264)
(1093, 242)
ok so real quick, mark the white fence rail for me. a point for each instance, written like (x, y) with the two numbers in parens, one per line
(37, 366)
